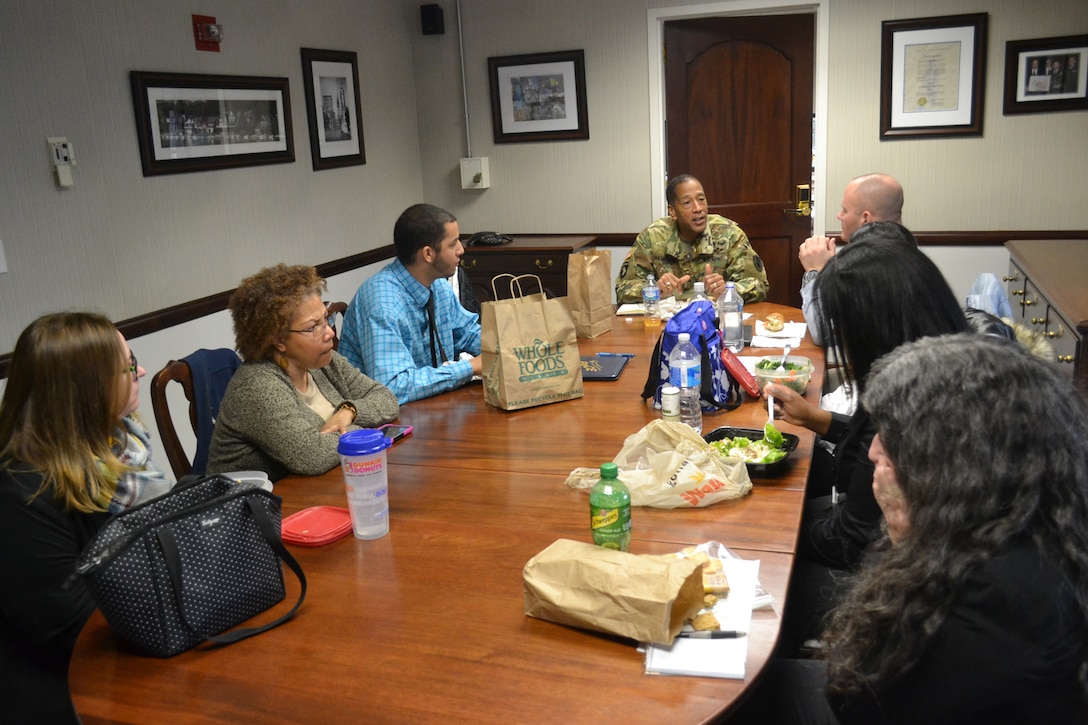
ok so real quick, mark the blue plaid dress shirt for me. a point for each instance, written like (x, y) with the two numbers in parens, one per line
(386, 334)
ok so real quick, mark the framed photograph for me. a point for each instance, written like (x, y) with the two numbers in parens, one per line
(331, 78)
(1046, 75)
(933, 76)
(199, 122)
(539, 97)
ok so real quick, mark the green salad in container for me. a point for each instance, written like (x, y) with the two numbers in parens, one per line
(771, 448)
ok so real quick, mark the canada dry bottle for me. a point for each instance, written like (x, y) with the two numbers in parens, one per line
(731, 318)
(610, 510)
(685, 372)
(651, 303)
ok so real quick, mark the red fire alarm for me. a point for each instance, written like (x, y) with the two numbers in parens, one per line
(207, 33)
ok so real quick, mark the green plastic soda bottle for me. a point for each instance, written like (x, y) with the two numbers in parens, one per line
(610, 510)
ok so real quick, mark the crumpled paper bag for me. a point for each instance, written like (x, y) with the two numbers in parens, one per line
(643, 597)
(669, 465)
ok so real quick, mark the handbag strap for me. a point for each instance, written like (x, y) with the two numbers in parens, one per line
(272, 536)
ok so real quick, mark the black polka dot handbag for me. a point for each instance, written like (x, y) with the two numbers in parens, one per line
(184, 568)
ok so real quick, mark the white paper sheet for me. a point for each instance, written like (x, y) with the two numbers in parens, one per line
(714, 657)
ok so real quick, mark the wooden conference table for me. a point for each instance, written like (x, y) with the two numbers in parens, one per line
(427, 624)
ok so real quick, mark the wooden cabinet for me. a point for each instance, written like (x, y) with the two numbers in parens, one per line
(1047, 286)
(544, 256)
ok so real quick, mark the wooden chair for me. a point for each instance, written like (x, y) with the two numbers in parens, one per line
(335, 312)
(216, 366)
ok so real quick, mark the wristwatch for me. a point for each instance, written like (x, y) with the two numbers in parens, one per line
(347, 405)
(808, 276)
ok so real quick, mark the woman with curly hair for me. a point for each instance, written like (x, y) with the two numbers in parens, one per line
(71, 452)
(974, 606)
(292, 397)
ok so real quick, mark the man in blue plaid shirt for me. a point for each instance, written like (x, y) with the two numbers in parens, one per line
(404, 327)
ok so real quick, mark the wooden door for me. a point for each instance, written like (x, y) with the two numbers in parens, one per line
(739, 98)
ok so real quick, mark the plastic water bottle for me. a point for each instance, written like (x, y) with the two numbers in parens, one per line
(731, 318)
(651, 303)
(699, 294)
(685, 372)
(610, 510)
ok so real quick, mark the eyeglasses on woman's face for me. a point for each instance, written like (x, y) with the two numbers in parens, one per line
(316, 330)
(133, 366)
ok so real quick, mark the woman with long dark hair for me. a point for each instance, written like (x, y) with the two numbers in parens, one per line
(875, 295)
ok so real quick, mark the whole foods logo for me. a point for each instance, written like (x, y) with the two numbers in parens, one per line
(540, 360)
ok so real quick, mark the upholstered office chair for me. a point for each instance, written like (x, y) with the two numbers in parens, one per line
(203, 377)
(336, 312)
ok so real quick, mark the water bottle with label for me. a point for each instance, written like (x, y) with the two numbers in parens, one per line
(651, 303)
(731, 318)
(685, 372)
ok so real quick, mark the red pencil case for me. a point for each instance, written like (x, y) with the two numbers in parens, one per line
(739, 372)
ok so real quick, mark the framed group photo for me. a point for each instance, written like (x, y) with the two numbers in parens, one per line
(933, 76)
(539, 97)
(1045, 75)
(331, 81)
(188, 122)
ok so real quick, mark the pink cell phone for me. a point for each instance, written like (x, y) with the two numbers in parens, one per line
(395, 431)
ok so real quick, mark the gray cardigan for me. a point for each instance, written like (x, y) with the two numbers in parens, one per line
(263, 425)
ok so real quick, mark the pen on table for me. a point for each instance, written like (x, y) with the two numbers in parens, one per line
(615, 354)
(714, 634)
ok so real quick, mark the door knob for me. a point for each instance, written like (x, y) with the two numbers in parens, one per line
(802, 201)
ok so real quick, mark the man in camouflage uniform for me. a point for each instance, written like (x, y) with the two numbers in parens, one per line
(690, 246)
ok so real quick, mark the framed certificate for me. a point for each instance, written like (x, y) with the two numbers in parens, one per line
(933, 76)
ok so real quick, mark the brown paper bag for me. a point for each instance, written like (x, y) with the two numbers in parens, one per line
(529, 349)
(589, 290)
(646, 598)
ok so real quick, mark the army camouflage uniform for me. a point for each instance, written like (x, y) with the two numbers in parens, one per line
(723, 245)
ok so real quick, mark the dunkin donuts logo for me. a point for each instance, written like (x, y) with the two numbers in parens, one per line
(363, 468)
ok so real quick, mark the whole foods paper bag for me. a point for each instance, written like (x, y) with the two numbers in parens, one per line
(647, 598)
(529, 350)
(589, 291)
(668, 465)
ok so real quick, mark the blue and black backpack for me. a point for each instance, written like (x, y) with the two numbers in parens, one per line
(719, 390)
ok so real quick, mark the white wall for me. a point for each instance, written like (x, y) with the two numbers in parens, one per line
(1023, 173)
(126, 245)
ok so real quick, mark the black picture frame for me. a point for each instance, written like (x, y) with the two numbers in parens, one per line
(331, 82)
(187, 122)
(530, 97)
(1031, 88)
(933, 76)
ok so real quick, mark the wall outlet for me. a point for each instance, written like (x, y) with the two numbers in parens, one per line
(475, 173)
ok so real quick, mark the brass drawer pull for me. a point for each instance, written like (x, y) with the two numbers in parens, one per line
(469, 263)
(546, 264)
(1053, 334)
(1065, 358)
